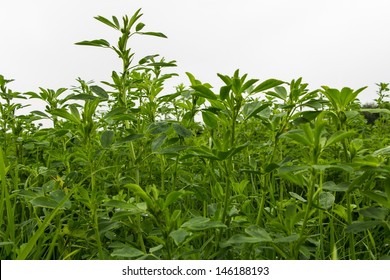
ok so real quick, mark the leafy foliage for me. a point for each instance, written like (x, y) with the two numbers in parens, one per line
(254, 170)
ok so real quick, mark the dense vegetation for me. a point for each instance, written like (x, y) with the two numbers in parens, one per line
(253, 170)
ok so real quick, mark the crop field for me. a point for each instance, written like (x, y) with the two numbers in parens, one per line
(255, 169)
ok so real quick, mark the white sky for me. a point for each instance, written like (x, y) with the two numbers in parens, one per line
(334, 42)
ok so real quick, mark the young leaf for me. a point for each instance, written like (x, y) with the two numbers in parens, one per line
(156, 34)
(268, 84)
(139, 26)
(107, 22)
(94, 43)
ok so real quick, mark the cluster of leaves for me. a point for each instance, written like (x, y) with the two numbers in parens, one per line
(256, 170)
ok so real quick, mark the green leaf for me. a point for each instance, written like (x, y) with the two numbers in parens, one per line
(45, 202)
(224, 91)
(94, 43)
(339, 136)
(204, 152)
(202, 223)
(181, 130)
(156, 34)
(130, 138)
(379, 197)
(239, 239)
(299, 136)
(203, 91)
(326, 200)
(99, 92)
(210, 119)
(377, 213)
(297, 196)
(268, 84)
(107, 22)
(147, 58)
(39, 113)
(192, 79)
(174, 149)
(287, 239)
(252, 109)
(64, 114)
(82, 96)
(331, 186)
(127, 252)
(259, 233)
(382, 152)
(173, 197)
(130, 208)
(157, 143)
(107, 138)
(139, 26)
(159, 127)
(141, 193)
(179, 235)
(227, 154)
(25, 250)
(248, 84)
(360, 226)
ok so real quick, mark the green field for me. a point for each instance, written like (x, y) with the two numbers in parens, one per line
(257, 169)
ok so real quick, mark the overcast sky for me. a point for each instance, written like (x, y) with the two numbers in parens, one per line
(334, 42)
